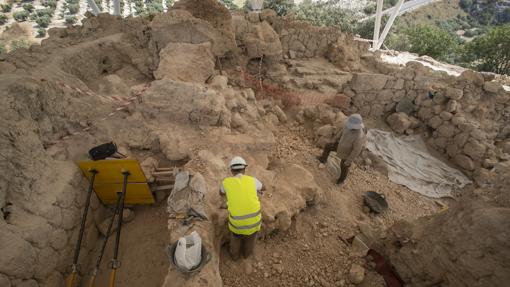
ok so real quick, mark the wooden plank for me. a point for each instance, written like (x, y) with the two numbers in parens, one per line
(163, 187)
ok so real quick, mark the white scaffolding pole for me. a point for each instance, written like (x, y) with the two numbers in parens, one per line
(93, 7)
(378, 16)
(116, 7)
(389, 24)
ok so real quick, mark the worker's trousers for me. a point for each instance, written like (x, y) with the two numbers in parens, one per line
(242, 245)
(344, 169)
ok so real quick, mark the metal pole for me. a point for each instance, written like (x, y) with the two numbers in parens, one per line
(105, 241)
(388, 25)
(378, 16)
(93, 6)
(116, 7)
(115, 261)
(77, 248)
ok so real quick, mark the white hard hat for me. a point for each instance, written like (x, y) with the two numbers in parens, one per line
(355, 122)
(238, 163)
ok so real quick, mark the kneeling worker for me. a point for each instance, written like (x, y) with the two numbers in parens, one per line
(245, 218)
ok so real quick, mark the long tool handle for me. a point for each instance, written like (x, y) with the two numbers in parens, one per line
(113, 274)
(92, 281)
(120, 210)
(77, 248)
(71, 279)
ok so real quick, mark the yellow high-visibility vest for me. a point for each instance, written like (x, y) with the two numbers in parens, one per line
(243, 205)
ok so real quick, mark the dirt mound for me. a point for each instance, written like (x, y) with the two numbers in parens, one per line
(467, 245)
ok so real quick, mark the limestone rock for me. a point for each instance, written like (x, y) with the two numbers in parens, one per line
(259, 39)
(446, 130)
(219, 82)
(492, 87)
(452, 106)
(405, 106)
(4, 281)
(18, 256)
(446, 115)
(181, 22)
(461, 139)
(465, 162)
(454, 94)
(435, 122)
(473, 77)
(356, 274)
(368, 82)
(399, 122)
(47, 260)
(28, 283)
(474, 149)
(282, 117)
(326, 131)
(186, 62)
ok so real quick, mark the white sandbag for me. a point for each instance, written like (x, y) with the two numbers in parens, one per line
(188, 252)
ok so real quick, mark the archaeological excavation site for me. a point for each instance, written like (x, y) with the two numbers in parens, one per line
(117, 136)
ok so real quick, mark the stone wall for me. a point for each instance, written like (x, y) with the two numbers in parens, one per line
(465, 117)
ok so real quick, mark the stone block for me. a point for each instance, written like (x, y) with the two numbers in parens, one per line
(369, 82)
(454, 94)
(465, 162)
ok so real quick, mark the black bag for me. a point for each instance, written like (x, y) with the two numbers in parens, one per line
(103, 151)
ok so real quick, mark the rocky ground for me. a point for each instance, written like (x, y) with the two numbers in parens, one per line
(269, 89)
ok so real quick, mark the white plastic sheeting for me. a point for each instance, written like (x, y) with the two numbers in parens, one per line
(410, 164)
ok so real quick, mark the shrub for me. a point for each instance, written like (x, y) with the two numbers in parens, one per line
(44, 12)
(28, 7)
(369, 10)
(227, 3)
(50, 4)
(431, 41)
(3, 50)
(3, 19)
(281, 7)
(73, 8)
(490, 52)
(70, 20)
(6, 7)
(20, 16)
(43, 21)
(17, 44)
(41, 32)
(169, 3)
(325, 14)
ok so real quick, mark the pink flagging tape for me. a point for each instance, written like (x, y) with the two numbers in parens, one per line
(123, 105)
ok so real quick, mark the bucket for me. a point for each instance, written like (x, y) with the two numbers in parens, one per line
(206, 256)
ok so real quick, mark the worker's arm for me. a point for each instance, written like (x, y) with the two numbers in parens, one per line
(260, 187)
(357, 147)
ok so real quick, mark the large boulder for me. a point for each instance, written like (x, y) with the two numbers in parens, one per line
(186, 62)
(259, 39)
(369, 82)
(179, 26)
(400, 122)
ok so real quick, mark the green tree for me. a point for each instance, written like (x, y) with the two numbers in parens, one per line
(43, 21)
(431, 41)
(229, 4)
(73, 8)
(325, 14)
(20, 16)
(6, 7)
(28, 7)
(41, 32)
(3, 19)
(490, 52)
(50, 3)
(70, 20)
(281, 7)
